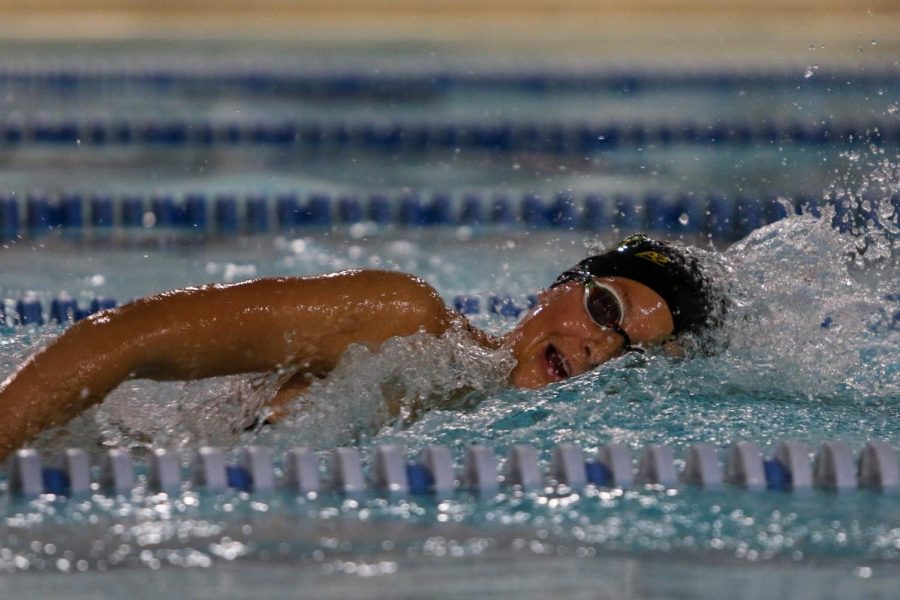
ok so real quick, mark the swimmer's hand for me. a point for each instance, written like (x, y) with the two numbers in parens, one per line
(673, 349)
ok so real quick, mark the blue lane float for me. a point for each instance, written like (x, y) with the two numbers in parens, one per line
(717, 216)
(434, 472)
(415, 81)
(525, 137)
(29, 311)
(63, 309)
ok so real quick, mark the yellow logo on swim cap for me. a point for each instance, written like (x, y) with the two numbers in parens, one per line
(656, 257)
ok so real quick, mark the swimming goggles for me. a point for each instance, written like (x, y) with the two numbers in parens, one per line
(607, 310)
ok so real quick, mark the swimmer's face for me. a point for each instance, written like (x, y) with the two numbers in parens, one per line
(558, 339)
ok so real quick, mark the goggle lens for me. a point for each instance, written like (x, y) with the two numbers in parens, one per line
(603, 306)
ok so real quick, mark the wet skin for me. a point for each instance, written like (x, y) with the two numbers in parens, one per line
(300, 326)
(558, 339)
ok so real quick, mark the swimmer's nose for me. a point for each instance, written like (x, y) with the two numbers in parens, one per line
(597, 352)
(592, 354)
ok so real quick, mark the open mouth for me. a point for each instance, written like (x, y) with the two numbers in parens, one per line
(556, 365)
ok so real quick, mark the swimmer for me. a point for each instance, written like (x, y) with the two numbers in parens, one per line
(639, 295)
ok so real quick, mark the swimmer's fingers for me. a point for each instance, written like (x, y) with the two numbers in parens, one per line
(674, 349)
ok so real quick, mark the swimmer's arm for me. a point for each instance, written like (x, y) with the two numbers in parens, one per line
(302, 324)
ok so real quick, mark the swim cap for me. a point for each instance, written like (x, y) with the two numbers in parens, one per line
(667, 270)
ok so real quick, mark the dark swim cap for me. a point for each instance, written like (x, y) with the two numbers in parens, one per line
(667, 270)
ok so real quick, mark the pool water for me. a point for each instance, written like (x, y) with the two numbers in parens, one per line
(808, 352)
(783, 376)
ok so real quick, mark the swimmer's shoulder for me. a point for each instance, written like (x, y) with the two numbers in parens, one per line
(373, 281)
(428, 305)
(394, 280)
(390, 294)
(399, 303)
(354, 284)
(376, 281)
(410, 294)
(418, 296)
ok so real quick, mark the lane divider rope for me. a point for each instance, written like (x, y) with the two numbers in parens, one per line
(718, 216)
(414, 79)
(434, 471)
(28, 310)
(381, 136)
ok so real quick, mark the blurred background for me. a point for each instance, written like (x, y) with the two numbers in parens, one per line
(745, 31)
(626, 114)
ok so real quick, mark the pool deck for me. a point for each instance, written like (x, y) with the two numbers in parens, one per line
(743, 32)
